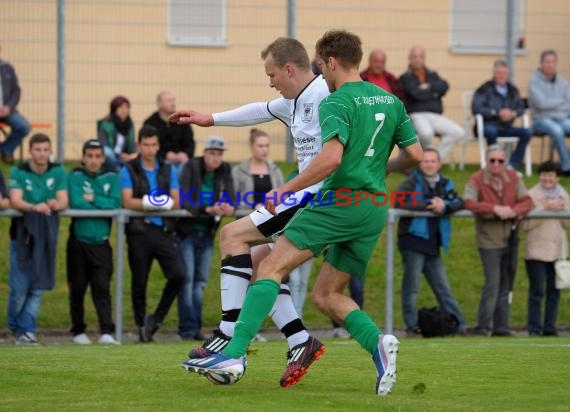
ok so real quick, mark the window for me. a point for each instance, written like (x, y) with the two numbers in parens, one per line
(197, 23)
(480, 26)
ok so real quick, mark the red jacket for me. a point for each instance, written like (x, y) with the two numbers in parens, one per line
(480, 198)
(392, 81)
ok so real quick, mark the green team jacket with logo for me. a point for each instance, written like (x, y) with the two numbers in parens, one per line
(106, 195)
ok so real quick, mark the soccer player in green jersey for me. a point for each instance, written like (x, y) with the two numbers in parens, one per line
(38, 189)
(360, 125)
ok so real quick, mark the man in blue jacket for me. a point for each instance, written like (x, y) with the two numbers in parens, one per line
(420, 238)
(498, 101)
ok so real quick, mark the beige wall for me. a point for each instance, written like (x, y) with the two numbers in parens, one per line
(120, 48)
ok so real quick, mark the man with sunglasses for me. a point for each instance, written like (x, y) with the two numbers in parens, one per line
(498, 198)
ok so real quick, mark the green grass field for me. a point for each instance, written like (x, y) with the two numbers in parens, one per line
(467, 374)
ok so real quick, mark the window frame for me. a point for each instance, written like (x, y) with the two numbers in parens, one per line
(195, 41)
(500, 48)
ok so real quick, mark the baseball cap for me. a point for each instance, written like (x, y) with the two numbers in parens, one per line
(92, 144)
(215, 143)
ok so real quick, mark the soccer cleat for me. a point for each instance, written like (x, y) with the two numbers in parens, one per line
(213, 344)
(385, 360)
(299, 358)
(218, 365)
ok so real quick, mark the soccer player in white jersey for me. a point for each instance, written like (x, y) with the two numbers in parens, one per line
(288, 67)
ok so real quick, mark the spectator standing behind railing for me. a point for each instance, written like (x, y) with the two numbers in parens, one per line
(498, 198)
(176, 140)
(424, 89)
(212, 196)
(545, 243)
(420, 239)
(549, 102)
(258, 174)
(38, 189)
(89, 254)
(498, 101)
(117, 133)
(148, 183)
(9, 99)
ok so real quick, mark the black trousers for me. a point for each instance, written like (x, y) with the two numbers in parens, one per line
(89, 265)
(143, 248)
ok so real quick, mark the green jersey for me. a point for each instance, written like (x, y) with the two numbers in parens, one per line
(104, 187)
(368, 121)
(38, 188)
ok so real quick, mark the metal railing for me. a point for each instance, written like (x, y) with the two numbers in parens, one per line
(121, 217)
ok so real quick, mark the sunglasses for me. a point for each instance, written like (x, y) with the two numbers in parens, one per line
(501, 161)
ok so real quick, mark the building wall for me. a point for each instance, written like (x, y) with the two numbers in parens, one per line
(120, 47)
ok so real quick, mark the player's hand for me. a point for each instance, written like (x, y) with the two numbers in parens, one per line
(192, 117)
(88, 197)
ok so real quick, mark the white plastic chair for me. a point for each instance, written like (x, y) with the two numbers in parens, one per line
(507, 141)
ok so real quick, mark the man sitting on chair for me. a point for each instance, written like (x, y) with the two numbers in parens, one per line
(498, 101)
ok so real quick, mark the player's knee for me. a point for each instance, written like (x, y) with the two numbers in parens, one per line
(226, 233)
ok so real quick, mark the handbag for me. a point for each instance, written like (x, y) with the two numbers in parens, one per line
(435, 322)
(562, 270)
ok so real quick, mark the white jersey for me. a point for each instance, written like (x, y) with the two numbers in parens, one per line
(301, 115)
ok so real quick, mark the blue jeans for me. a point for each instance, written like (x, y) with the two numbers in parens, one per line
(493, 312)
(432, 267)
(112, 161)
(557, 129)
(19, 128)
(541, 274)
(24, 302)
(491, 133)
(196, 250)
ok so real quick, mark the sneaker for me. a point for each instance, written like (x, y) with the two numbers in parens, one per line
(385, 360)
(259, 338)
(107, 339)
(150, 327)
(213, 344)
(476, 331)
(27, 338)
(82, 339)
(218, 364)
(299, 358)
(341, 332)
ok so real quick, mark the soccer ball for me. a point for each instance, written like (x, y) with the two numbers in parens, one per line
(224, 378)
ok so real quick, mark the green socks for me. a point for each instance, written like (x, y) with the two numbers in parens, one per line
(363, 329)
(259, 300)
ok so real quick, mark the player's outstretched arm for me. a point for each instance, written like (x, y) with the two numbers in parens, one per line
(192, 117)
(409, 157)
(246, 115)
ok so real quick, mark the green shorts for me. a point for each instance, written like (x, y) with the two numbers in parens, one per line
(351, 231)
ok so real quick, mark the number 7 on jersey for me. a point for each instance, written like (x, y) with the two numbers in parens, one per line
(379, 117)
